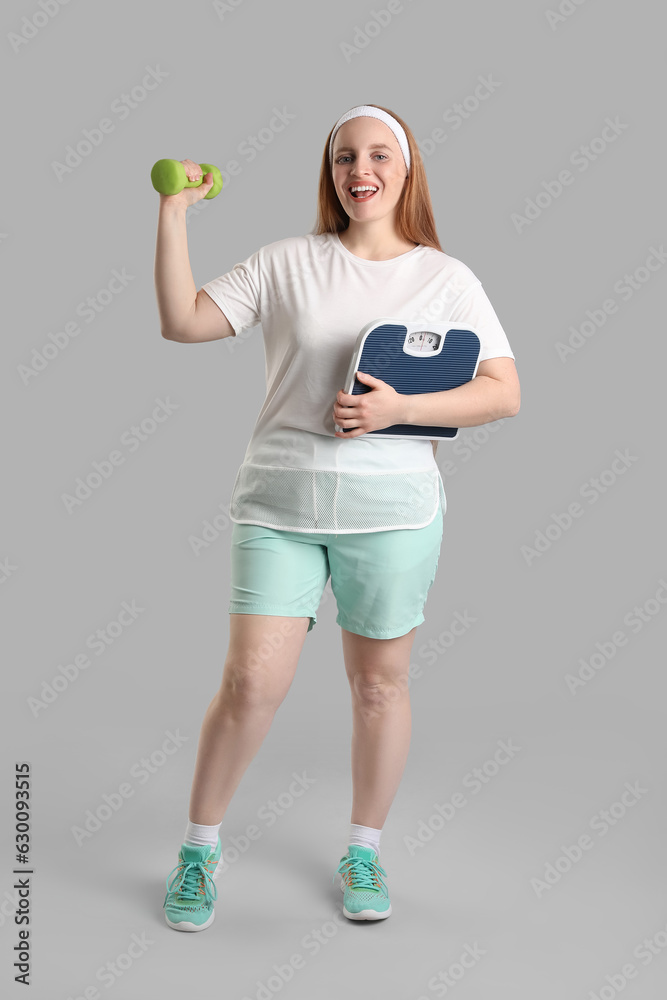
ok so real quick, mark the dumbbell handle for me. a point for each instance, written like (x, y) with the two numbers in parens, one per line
(169, 177)
(196, 184)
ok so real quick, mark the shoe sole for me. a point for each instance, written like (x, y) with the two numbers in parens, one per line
(367, 914)
(187, 925)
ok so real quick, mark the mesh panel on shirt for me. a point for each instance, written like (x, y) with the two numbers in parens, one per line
(330, 501)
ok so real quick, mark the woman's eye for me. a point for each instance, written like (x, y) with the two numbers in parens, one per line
(346, 157)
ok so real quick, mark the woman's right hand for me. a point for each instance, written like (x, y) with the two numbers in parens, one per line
(190, 195)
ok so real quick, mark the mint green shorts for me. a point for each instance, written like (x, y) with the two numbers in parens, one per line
(380, 579)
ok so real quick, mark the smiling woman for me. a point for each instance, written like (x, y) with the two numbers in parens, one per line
(362, 192)
(367, 154)
(301, 489)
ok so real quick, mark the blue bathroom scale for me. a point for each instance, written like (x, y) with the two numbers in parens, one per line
(414, 357)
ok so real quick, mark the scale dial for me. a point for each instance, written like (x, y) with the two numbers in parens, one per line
(423, 342)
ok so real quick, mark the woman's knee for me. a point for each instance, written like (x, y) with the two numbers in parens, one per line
(262, 658)
(375, 689)
(246, 685)
(377, 669)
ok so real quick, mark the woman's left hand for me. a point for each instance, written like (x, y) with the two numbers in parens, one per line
(370, 411)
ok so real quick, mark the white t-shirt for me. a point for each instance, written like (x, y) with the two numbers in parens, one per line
(312, 296)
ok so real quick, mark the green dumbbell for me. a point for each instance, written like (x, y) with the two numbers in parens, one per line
(169, 177)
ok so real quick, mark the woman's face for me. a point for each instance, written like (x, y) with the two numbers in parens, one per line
(366, 152)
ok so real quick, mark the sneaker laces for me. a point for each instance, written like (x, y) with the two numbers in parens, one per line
(195, 881)
(363, 874)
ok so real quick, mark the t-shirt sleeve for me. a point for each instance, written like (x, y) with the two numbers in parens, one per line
(474, 308)
(238, 293)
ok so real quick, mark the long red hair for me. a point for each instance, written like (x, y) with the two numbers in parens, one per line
(414, 211)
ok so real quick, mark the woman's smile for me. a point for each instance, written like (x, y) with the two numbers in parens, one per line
(362, 195)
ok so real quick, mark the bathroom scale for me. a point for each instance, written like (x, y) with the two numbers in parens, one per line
(414, 357)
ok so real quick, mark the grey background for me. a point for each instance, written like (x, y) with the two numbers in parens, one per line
(67, 574)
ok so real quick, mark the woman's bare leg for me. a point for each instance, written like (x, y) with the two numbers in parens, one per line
(261, 662)
(377, 670)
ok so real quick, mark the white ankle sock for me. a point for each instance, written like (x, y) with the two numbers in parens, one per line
(199, 835)
(365, 836)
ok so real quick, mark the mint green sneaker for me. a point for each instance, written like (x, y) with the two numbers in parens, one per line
(366, 896)
(188, 905)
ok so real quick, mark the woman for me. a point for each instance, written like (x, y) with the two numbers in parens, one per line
(316, 493)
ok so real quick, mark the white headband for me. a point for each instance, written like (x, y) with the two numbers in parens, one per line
(367, 111)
